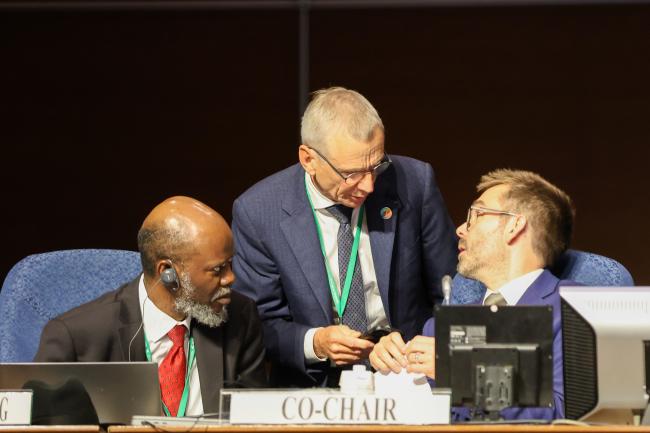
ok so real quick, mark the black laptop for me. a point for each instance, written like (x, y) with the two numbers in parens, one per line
(86, 393)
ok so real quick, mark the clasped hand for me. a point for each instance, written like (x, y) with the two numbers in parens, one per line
(391, 353)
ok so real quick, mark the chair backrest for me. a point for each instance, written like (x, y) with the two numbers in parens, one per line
(582, 267)
(42, 286)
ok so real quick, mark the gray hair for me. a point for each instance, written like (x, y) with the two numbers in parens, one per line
(159, 242)
(338, 110)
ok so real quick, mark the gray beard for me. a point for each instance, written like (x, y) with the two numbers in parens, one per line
(204, 314)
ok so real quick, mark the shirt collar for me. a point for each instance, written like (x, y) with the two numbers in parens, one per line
(317, 198)
(513, 290)
(156, 322)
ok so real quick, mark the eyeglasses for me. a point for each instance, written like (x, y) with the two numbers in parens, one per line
(354, 178)
(476, 211)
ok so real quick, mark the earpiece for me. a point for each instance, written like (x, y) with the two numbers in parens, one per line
(169, 278)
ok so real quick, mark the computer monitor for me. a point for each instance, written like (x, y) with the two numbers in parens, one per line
(495, 357)
(606, 337)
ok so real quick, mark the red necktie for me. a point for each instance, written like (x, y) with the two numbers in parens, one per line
(171, 371)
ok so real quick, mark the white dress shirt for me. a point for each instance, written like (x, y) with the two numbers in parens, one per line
(329, 225)
(513, 290)
(156, 326)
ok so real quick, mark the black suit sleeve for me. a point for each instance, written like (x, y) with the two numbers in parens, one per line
(56, 344)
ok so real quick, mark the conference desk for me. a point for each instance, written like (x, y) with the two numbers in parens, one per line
(478, 428)
(50, 429)
(475, 428)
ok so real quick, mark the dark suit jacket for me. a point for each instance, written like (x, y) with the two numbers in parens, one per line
(100, 331)
(545, 290)
(280, 265)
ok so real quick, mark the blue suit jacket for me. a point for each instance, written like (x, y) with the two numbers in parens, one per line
(545, 290)
(280, 265)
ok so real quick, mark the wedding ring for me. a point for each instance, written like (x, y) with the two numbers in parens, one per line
(417, 358)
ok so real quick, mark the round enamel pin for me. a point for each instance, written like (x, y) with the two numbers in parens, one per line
(386, 213)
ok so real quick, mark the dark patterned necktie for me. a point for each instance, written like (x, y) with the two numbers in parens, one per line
(495, 299)
(354, 314)
(171, 371)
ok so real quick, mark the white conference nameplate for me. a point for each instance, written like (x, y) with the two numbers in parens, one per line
(330, 406)
(16, 407)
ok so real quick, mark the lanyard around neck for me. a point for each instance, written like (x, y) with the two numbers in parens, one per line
(340, 300)
(186, 390)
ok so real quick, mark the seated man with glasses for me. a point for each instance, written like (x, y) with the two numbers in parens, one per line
(341, 246)
(519, 225)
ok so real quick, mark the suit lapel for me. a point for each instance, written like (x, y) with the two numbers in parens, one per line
(381, 231)
(210, 362)
(131, 324)
(381, 204)
(299, 230)
(541, 288)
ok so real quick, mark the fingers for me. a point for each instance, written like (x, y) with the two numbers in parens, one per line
(341, 344)
(419, 358)
(357, 343)
(424, 365)
(388, 353)
(378, 364)
(421, 344)
(349, 350)
(344, 358)
(396, 348)
(396, 339)
(420, 354)
(426, 369)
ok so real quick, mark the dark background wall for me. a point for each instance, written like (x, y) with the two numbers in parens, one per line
(104, 113)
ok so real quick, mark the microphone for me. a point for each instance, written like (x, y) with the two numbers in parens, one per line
(446, 290)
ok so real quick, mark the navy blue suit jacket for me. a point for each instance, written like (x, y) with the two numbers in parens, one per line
(545, 290)
(280, 265)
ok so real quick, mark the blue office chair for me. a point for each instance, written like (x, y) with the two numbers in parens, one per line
(582, 267)
(42, 286)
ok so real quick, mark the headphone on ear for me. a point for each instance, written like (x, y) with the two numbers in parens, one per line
(169, 278)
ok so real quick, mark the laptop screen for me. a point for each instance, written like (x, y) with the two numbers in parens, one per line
(69, 392)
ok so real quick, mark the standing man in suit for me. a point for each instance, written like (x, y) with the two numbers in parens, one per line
(519, 225)
(180, 313)
(348, 240)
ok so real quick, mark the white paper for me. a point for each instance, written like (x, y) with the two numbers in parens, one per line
(402, 383)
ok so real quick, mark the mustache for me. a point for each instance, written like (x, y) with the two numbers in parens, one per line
(222, 292)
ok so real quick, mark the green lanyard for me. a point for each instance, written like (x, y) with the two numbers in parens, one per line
(186, 390)
(340, 300)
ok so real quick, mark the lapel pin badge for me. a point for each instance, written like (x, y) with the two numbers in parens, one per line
(386, 213)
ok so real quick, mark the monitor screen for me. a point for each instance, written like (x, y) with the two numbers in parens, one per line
(77, 392)
(495, 357)
(606, 333)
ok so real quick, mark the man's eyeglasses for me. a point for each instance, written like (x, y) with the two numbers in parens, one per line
(476, 211)
(354, 178)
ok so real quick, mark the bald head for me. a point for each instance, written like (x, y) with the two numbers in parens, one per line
(175, 229)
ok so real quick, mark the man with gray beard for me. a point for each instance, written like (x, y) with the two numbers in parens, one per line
(180, 313)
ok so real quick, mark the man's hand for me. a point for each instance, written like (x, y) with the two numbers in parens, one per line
(389, 354)
(341, 344)
(420, 353)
